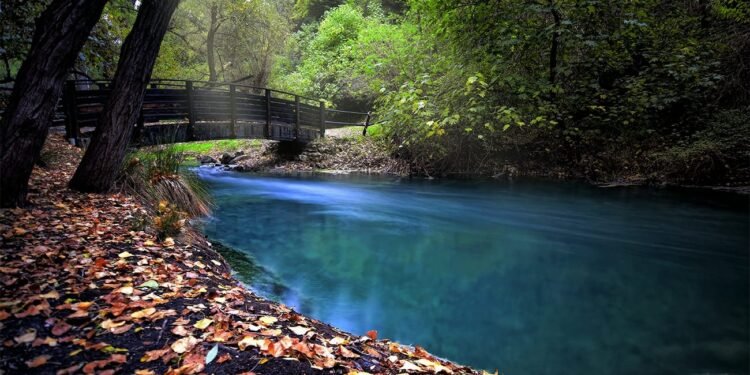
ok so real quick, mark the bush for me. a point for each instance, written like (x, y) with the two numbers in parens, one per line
(168, 221)
(719, 152)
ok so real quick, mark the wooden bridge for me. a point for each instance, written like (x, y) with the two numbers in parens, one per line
(183, 111)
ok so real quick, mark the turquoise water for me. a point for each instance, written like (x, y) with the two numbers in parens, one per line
(525, 277)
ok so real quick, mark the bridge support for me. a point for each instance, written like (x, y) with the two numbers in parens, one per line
(233, 110)
(367, 123)
(267, 128)
(72, 131)
(191, 111)
(297, 117)
(322, 118)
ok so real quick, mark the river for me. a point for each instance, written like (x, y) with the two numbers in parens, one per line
(528, 277)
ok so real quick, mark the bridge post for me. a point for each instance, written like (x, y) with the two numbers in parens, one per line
(191, 111)
(297, 116)
(233, 110)
(367, 123)
(267, 128)
(71, 112)
(322, 118)
(138, 133)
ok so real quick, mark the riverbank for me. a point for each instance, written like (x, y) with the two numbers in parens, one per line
(87, 287)
(366, 155)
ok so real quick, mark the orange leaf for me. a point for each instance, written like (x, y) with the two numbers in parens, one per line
(38, 361)
(153, 355)
(373, 334)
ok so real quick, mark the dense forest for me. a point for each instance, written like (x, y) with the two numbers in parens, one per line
(639, 90)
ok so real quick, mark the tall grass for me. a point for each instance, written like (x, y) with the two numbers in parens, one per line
(155, 177)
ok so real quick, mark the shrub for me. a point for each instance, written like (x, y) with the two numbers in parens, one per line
(168, 221)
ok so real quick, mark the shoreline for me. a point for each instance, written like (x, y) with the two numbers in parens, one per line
(740, 189)
(364, 156)
(85, 291)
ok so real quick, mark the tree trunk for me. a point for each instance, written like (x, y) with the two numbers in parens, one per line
(60, 33)
(210, 42)
(103, 159)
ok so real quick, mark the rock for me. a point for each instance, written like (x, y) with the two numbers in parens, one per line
(239, 153)
(226, 158)
(240, 158)
(205, 159)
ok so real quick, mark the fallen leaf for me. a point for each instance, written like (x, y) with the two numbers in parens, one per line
(408, 366)
(107, 324)
(27, 337)
(203, 323)
(38, 361)
(126, 290)
(121, 330)
(346, 353)
(299, 330)
(60, 328)
(249, 341)
(337, 340)
(373, 334)
(125, 255)
(211, 355)
(267, 320)
(180, 331)
(184, 344)
(152, 284)
(153, 355)
(143, 313)
(70, 370)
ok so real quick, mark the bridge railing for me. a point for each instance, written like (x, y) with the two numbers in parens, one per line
(250, 111)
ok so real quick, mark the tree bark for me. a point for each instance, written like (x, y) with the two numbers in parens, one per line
(211, 41)
(60, 33)
(103, 159)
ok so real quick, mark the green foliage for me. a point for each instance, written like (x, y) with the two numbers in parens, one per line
(347, 58)
(16, 30)
(247, 36)
(719, 152)
(224, 145)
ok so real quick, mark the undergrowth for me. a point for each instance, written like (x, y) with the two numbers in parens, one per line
(172, 195)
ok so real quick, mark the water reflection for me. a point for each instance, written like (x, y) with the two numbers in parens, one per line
(528, 278)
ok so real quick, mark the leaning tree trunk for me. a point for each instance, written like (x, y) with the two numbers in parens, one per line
(103, 159)
(60, 33)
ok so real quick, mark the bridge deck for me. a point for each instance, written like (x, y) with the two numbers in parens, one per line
(180, 111)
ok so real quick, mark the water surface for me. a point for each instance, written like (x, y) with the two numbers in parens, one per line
(525, 277)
